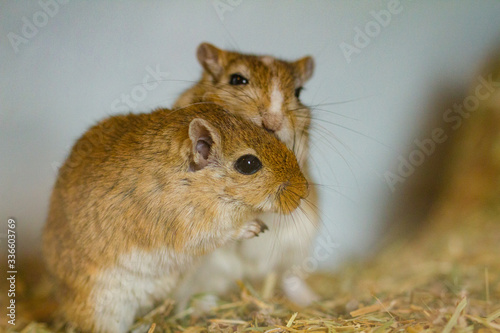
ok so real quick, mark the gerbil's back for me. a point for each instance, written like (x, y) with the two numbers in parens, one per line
(99, 177)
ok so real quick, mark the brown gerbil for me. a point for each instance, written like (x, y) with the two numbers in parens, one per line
(266, 91)
(141, 195)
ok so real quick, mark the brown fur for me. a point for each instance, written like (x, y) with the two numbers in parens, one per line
(128, 184)
(291, 124)
(252, 101)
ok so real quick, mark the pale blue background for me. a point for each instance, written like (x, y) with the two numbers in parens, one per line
(68, 75)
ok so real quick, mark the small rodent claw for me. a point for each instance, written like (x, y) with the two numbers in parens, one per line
(263, 226)
(253, 229)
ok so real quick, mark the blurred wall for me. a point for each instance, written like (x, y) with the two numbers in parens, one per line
(379, 65)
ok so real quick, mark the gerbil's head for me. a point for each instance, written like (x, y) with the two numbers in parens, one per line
(263, 89)
(247, 165)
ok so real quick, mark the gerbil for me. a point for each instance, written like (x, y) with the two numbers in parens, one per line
(266, 91)
(142, 195)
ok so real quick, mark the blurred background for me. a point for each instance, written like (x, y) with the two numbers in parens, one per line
(387, 75)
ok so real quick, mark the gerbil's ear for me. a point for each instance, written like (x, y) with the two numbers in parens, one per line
(211, 58)
(304, 69)
(203, 138)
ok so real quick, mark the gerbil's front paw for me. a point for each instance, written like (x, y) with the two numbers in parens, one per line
(252, 229)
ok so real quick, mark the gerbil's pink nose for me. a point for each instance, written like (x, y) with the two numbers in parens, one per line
(272, 122)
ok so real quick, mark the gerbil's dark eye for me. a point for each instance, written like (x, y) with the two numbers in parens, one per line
(297, 92)
(248, 164)
(237, 79)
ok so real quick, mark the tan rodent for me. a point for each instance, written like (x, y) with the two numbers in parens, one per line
(266, 91)
(141, 195)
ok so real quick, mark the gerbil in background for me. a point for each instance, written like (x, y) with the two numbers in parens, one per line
(266, 91)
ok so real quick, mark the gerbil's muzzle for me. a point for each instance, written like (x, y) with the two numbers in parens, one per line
(290, 193)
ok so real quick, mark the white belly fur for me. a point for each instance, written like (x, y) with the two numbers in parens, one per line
(133, 286)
